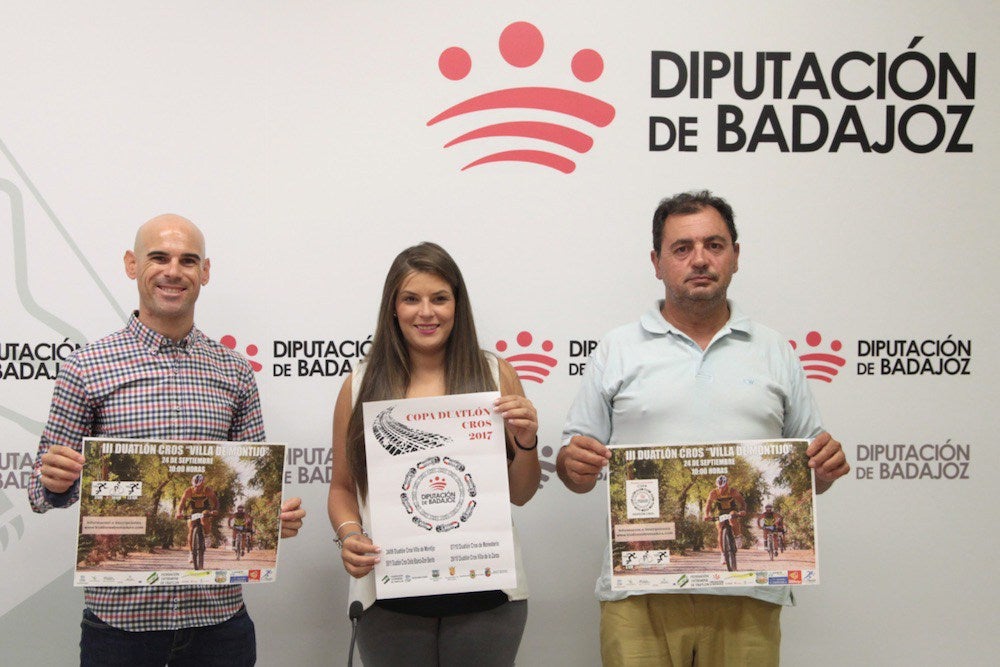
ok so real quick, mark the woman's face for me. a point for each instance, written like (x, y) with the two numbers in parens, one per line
(425, 310)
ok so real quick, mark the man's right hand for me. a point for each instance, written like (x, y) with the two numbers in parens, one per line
(580, 463)
(61, 467)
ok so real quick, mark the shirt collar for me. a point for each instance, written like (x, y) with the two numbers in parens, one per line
(154, 341)
(654, 322)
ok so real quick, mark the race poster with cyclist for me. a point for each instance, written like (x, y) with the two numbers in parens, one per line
(738, 513)
(158, 512)
(438, 495)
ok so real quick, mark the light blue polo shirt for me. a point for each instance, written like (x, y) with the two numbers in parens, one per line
(649, 383)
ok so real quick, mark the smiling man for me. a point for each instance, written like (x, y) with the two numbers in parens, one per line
(692, 369)
(169, 265)
(158, 378)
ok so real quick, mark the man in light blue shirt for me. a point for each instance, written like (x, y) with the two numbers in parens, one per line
(692, 369)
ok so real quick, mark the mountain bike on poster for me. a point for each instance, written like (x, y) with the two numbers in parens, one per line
(240, 542)
(771, 541)
(239, 523)
(772, 523)
(728, 540)
(198, 538)
(197, 503)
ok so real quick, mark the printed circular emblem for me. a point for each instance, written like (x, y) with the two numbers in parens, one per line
(643, 500)
(440, 494)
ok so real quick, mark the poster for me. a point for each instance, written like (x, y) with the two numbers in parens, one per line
(158, 512)
(739, 513)
(438, 495)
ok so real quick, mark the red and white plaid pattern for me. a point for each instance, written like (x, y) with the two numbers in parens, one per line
(136, 383)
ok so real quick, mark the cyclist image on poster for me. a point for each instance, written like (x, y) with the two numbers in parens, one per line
(197, 506)
(240, 524)
(723, 505)
(773, 526)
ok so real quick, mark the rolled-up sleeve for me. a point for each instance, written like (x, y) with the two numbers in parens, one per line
(71, 419)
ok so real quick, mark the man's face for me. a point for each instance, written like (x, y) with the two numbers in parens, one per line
(169, 266)
(697, 258)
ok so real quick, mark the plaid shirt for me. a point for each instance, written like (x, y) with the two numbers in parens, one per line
(136, 383)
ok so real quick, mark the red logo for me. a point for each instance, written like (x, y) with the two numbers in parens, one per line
(531, 366)
(254, 575)
(438, 483)
(521, 45)
(251, 351)
(821, 366)
(795, 576)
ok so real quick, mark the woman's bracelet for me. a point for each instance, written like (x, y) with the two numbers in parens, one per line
(523, 448)
(337, 529)
(340, 540)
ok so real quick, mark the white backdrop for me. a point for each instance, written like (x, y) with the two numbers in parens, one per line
(296, 136)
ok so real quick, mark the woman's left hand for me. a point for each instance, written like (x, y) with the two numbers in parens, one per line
(520, 417)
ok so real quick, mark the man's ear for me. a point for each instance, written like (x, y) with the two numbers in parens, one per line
(130, 264)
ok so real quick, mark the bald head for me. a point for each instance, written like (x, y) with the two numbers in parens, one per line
(168, 262)
(168, 224)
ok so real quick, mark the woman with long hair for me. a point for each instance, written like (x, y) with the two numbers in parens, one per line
(425, 344)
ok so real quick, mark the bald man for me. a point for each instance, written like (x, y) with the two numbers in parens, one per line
(158, 378)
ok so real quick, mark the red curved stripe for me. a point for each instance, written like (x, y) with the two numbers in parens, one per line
(819, 377)
(543, 158)
(557, 134)
(827, 358)
(822, 369)
(584, 107)
(531, 369)
(533, 379)
(536, 358)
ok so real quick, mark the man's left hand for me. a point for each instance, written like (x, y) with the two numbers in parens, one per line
(827, 459)
(291, 517)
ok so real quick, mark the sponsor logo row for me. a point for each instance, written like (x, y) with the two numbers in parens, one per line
(175, 577)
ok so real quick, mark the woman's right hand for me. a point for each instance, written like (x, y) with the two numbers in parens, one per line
(359, 555)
